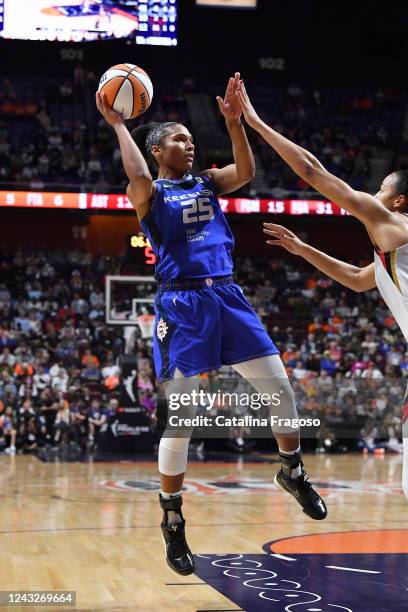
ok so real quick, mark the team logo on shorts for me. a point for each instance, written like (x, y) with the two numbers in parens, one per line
(162, 329)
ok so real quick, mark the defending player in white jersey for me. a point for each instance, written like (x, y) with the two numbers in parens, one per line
(383, 215)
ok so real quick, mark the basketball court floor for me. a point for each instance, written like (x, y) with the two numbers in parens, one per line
(93, 528)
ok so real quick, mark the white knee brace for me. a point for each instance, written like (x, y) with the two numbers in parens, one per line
(173, 454)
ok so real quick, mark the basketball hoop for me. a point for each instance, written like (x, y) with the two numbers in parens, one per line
(146, 324)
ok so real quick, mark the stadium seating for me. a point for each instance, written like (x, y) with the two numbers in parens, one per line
(51, 134)
(58, 358)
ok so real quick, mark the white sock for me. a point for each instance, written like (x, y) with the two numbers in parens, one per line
(292, 452)
(173, 517)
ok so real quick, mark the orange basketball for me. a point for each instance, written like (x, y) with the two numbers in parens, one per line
(128, 89)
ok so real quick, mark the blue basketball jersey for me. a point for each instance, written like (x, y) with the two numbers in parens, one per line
(187, 230)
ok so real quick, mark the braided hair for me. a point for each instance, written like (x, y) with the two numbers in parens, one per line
(150, 134)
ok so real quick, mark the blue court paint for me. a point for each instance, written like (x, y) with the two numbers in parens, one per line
(263, 582)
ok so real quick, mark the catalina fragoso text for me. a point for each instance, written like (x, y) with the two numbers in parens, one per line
(243, 421)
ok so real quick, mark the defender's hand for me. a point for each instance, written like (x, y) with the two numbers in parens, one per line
(284, 238)
(250, 114)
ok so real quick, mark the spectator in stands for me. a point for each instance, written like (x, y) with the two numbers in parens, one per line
(96, 418)
(78, 425)
(299, 371)
(88, 359)
(61, 148)
(110, 372)
(8, 431)
(62, 421)
(7, 358)
(328, 364)
(324, 382)
(329, 339)
(371, 371)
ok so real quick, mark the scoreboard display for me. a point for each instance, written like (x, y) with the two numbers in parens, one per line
(118, 202)
(147, 22)
(139, 250)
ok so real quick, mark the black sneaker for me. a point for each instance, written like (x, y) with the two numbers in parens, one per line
(178, 555)
(302, 490)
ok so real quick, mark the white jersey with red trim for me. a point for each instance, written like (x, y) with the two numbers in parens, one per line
(391, 276)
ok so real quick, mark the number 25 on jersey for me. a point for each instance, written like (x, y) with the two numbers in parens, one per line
(197, 209)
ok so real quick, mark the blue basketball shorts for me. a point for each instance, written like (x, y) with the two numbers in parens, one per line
(199, 330)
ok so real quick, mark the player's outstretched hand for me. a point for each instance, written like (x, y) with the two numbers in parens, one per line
(230, 106)
(111, 116)
(283, 237)
(250, 114)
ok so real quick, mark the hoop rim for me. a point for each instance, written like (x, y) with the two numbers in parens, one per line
(145, 317)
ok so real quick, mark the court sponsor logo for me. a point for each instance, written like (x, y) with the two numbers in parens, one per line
(124, 429)
(359, 571)
(256, 582)
(235, 485)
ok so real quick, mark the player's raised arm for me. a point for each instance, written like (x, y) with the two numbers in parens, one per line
(353, 277)
(362, 205)
(141, 186)
(232, 177)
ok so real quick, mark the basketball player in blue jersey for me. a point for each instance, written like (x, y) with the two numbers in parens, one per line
(203, 319)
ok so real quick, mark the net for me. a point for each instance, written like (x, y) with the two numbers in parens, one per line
(146, 324)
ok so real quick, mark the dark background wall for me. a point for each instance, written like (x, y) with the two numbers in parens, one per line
(107, 233)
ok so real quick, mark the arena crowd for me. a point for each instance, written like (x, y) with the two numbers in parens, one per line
(52, 135)
(59, 374)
